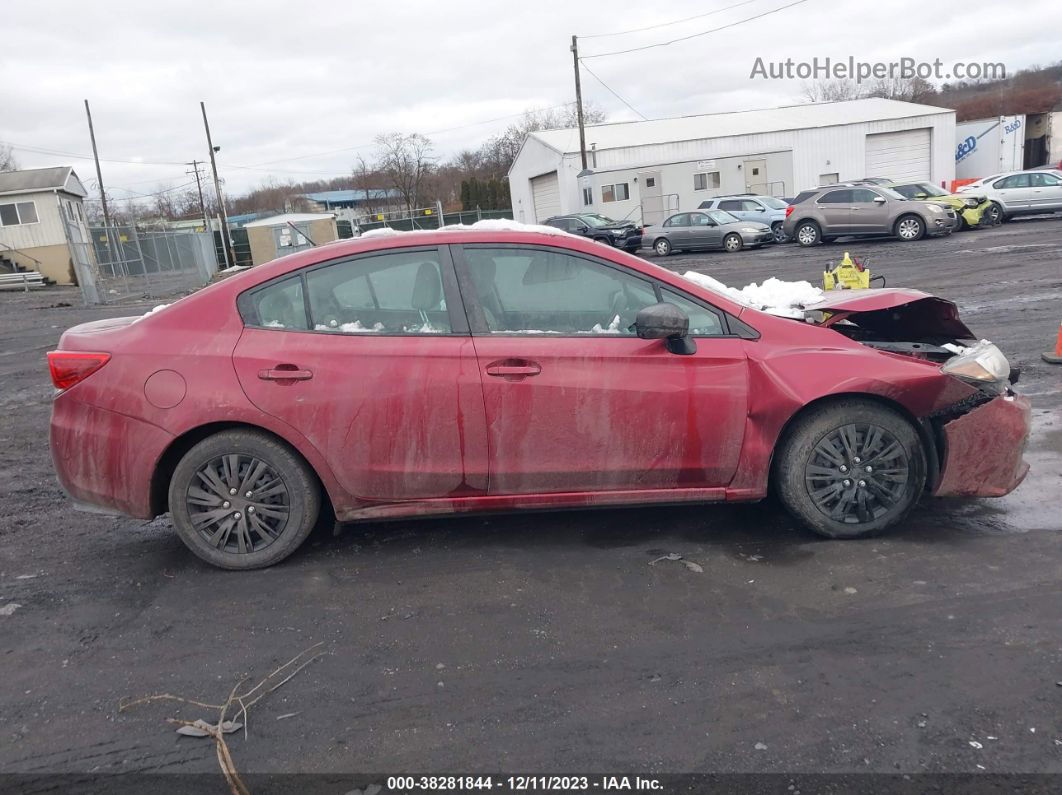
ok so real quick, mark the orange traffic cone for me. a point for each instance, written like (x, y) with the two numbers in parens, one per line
(1056, 357)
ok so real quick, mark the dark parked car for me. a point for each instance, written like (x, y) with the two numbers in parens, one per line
(406, 374)
(818, 216)
(620, 234)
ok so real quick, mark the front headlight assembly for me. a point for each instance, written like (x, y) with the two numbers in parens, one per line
(982, 365)
(973, 202)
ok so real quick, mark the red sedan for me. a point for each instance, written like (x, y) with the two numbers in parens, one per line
(467, 370)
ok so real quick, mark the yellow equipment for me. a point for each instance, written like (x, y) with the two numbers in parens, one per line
(848, 274)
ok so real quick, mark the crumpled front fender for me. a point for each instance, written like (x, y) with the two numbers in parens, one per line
(983, 449)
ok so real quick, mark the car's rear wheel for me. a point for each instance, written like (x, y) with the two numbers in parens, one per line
(243, 500)
(662, 247)
(995, 213)
(909, 227)
(850, 469)
(808, 233)
(732, 243)
(779, 233)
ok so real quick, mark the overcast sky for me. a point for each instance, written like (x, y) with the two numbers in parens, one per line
(287, 82)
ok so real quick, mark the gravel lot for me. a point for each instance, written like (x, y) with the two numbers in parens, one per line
(547, 643)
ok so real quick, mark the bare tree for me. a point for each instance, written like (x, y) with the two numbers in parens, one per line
(832, 91)
(501, 150)
(368, 181)
(7, 159)
(405, 161)
(914, 89)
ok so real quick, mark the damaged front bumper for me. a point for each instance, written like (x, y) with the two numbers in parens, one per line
(982, 449)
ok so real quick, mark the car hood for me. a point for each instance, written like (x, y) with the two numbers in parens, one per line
(891, 310)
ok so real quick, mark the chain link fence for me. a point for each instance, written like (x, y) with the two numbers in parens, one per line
(427, 218)
(136, 263)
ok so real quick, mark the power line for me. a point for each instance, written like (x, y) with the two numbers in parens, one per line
(60, 153)
(255, 166)
(617, 96)
(695, 35)
(666, 24)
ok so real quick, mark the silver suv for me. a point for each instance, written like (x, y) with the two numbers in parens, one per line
(818, 216)
(750, 207)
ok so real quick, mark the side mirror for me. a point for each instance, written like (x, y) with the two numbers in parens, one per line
(666, 321)
(761, 209)
(879, 200)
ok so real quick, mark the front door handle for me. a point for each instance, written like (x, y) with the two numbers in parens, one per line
(285, 372)
(513, 369)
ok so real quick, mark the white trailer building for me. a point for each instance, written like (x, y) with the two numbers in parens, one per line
(645, 170)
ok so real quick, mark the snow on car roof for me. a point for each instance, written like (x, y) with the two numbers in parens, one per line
(487, 225)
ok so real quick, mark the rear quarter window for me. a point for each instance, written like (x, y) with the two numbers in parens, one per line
(803, 196)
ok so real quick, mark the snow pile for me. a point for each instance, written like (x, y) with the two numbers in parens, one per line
(775, 296)
(612, 328)
(235, 269)
(487, 225)
(350, 328)
(150, 312)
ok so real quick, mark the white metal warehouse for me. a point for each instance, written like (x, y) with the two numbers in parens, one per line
(644, 170)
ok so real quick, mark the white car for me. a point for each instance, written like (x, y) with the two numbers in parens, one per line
(1029, 192)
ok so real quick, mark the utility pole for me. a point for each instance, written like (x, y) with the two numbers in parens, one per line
(199, 187)
(225, 246)
(99, 174)
(579, 101)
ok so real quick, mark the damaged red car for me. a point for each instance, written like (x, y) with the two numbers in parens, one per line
(494, 369)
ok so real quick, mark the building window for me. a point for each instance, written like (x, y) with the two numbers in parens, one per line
(588, 196)
(619, 192)
(650, 182)
(828, 179)
(20, 213)
(707, 180)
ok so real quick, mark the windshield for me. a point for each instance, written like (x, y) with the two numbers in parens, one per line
(721, 216)
(598, 220)
(890, 193)
(925, 188)
(773, 203)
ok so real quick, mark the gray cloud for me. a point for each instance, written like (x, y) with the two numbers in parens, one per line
(284, 80)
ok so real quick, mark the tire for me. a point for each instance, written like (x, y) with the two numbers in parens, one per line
(995, 214)
(662, 247)
(807, 233)
(779, 232)
(909, 228)
(808, 466)
(733, 243)
(245, 462)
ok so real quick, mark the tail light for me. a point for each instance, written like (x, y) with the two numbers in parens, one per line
(789, 210)
(69, 368)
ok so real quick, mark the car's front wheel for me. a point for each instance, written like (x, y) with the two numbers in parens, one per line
(910, 227)
(241, 499)
(850, 468)
(662, 247)
(779, 233)
(995, 215)
(733, 243)
(808, 233)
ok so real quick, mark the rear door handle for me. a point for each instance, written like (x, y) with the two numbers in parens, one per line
(513, 369)
(285, 372)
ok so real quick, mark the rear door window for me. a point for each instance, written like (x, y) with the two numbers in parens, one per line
(836, 197)
(394, 293)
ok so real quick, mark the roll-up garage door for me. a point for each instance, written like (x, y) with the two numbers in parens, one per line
(902, 156)
(545, 191)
